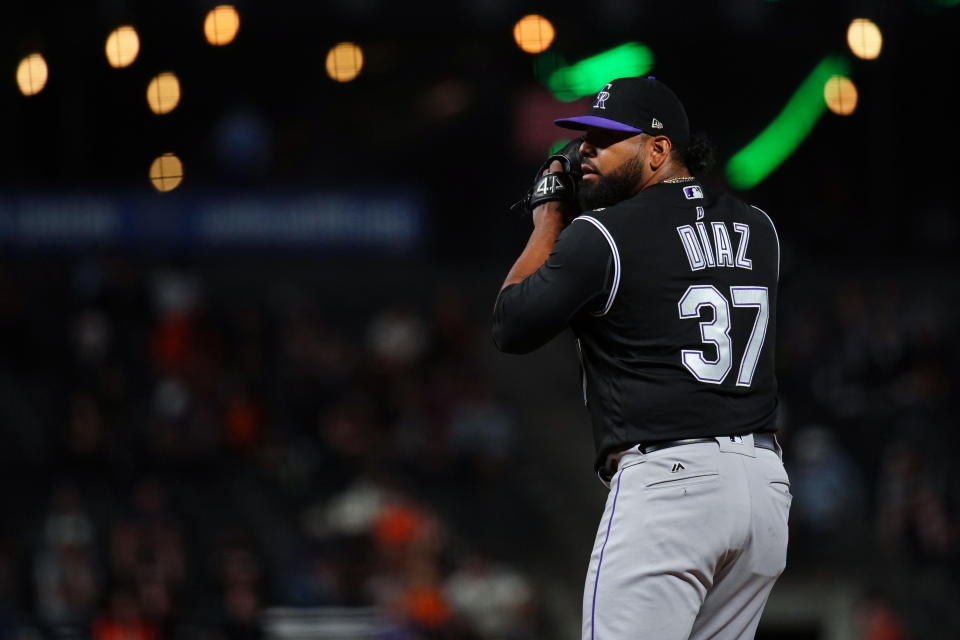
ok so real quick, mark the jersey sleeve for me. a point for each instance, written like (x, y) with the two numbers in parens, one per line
(575, 277)
(776, 236)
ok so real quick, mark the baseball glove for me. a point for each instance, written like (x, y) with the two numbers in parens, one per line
(555, 185)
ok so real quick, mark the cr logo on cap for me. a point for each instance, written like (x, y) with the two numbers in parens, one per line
(602, 97)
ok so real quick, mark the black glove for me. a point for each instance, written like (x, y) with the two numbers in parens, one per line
(555, 186)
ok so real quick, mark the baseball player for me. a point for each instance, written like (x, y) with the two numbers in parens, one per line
(671, 292)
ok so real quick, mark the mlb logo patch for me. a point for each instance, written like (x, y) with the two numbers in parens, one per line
(693, 192)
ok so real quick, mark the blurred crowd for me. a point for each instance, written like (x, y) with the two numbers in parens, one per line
(865, 365)
(181, 454)
(185, 448)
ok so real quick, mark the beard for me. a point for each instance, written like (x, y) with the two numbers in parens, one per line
(611, 189)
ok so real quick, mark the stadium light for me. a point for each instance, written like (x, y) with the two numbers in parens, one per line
(752, 164)
(123, 45)
(166, 172)
(864, 38)
(32, 74)
(840, 94)
(587, 76)
(344, 62)
(533, 33)
(221, 25)
(163, 93)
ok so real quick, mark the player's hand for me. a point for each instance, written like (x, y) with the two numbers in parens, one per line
(555, 166)
(556, 180)
(553, 211)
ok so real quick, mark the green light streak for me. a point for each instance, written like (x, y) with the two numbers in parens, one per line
(545, 64)
(588, 76)
(749, 166)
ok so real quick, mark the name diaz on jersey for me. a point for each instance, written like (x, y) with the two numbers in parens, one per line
(713, 246)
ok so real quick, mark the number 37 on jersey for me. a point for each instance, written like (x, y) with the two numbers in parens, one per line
(717, 331)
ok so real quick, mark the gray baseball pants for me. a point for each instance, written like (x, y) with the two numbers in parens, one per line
(691, 541)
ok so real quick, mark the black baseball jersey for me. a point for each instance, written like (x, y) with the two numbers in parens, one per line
(672, 296)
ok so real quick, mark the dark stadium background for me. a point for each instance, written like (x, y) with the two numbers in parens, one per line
(313, 437)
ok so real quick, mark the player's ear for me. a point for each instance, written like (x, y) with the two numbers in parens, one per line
(658, 151)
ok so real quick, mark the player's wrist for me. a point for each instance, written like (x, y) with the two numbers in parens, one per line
(551, 215)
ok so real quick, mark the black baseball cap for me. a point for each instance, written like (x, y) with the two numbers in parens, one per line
(636, 105)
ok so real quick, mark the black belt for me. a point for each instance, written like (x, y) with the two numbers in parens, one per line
(763, 440)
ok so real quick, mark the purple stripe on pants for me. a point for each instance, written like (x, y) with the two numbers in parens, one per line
(596, 578)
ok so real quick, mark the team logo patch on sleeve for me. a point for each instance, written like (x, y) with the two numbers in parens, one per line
(693, 192)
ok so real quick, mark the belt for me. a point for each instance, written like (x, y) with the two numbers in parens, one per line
(764, 440)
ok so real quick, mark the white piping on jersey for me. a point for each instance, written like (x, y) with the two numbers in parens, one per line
(583, 370)
(616, 262)
(775, 235)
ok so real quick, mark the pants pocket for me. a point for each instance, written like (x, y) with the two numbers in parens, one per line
(769, 529)
(683, 481)
(679, 468)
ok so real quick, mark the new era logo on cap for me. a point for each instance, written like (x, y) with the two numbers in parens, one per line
(656, 124)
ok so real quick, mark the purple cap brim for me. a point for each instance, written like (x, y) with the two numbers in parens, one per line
(582, 122)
